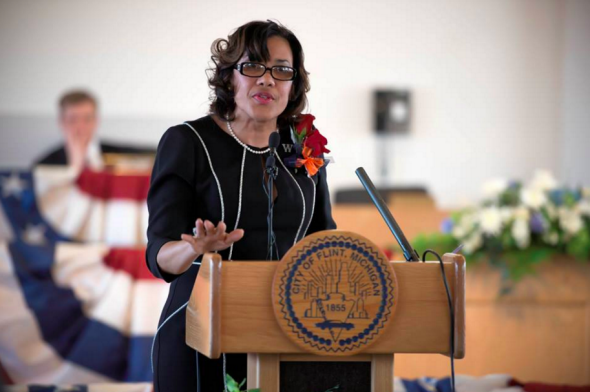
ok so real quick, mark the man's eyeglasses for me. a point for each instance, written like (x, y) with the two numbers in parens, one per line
(256, 70)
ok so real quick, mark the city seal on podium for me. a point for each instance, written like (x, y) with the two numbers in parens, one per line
(334, 293)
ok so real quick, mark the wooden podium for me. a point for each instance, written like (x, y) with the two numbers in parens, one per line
(234, 308)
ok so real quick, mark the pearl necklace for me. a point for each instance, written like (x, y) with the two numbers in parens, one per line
(243, 144)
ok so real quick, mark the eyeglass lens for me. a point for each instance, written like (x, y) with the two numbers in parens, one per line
(278, 72)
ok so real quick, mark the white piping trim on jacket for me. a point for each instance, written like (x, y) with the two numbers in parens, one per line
(212, 170)
(231, 249)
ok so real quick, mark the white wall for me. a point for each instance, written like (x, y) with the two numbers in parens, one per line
(575, 148)
(487, 75)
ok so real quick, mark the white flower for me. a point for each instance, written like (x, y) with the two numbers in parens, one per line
(458, 231)
(522, 213)
(490, 220)
(473, 243)
(543, 180)
(464, 226)
(551, 211)
(584, 207)
(521, 233)
(533, 197)
(570, 220)
(552, 238)
(506, 214)
(493, 188)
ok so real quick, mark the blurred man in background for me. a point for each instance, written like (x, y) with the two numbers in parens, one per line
(78, 120)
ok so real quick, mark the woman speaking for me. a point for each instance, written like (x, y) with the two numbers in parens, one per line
(209, 188)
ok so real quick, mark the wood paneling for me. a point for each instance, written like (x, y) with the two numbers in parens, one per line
(382, 373)
(538, 332)
(263, 372)
(414, 213)
(203, 314)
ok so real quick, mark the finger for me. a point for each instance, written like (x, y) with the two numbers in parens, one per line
(222, 243)
(209, 227)
(234, 236)
(200, 228)
(187, 238)
(221, 227)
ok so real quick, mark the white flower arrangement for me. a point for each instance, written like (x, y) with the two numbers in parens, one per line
(517, 226)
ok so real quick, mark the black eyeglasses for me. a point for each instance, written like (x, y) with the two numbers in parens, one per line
(256, 70)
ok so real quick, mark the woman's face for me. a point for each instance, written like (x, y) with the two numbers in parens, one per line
(264, 98)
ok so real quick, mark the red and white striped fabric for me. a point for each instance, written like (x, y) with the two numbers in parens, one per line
(93, 206)
(77, 313)
(127, 387)
(114, 286)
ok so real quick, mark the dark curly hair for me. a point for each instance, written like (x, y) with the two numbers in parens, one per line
(251, 39)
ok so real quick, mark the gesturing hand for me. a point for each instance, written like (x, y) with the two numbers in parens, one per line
(209, 238)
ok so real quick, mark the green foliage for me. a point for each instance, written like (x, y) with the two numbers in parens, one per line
(439, 242)
(301, 136)
(520, 263)
(511, 196)
(232, 385)
(579, 246)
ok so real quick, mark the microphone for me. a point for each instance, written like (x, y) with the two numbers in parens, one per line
(271, 164)
(274, 140)
(409, 253)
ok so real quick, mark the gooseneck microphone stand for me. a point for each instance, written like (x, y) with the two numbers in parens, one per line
(272, 171)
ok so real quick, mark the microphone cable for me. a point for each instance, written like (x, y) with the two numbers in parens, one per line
(451, 313)
(271, 170)
(272, 239)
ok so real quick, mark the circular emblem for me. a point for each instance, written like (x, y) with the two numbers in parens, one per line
(334, 293)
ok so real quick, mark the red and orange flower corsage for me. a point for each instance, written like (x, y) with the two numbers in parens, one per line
(309, 146)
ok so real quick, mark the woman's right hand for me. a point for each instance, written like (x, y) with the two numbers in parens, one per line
(209, 238)
(175, 257)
